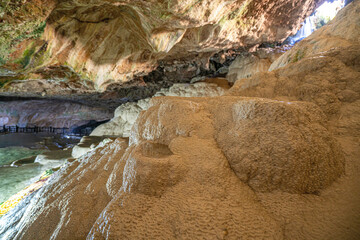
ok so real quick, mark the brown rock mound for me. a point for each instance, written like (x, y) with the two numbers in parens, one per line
(278, 145)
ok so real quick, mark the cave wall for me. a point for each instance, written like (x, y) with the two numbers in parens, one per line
(112, 41)
(49, 113)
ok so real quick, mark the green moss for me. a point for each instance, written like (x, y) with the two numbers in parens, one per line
(2, 61)
(25, 60)
(3, 82)
(166, 15)
(300, 54)
(22, 24)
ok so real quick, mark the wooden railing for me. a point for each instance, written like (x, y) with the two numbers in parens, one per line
(17, 129)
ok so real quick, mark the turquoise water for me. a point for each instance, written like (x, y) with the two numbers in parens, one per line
(19, 146)
(14, 179)
(11, 154)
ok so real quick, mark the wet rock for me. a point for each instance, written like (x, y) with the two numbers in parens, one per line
(20, 162)
(77, 197)
(87, 144)
(53, 159)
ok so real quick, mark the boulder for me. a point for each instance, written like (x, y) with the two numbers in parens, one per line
(277, 145)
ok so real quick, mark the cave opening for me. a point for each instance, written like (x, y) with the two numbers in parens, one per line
(320, 17)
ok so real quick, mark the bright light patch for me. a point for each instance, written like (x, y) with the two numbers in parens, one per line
(329, 9)
(323, 14)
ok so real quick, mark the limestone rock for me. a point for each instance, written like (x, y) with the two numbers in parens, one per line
(278, 145)
(328, 81)
(249, 64)
(53, 159)
(184, 190)
(115, 40)
(245, 67)
(72, 200)
(87, 144)
(175, 178)
(126, 114)
(269, 144)
(45, 113)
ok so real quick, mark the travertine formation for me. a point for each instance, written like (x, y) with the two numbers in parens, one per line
(126, 114)
(277, 145)
(87, 144)
(78, 197)
(262, 162)
(176, 179)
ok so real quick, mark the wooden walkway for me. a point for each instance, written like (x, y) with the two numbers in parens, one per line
(17, 129)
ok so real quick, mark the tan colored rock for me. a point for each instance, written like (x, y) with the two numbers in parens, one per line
(278, 145)
(245, 67)
(187, 192)
(115, 40)
(87, 144)
(126, 114)
(53, 159)
(75, 196)
(248, 64)
(328, 81)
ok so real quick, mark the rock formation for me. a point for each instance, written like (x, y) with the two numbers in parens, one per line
(249, 64)
(21, 22)
(46, 113)
(126, 114)
(116, 40)
(341, 33)
(276, 157)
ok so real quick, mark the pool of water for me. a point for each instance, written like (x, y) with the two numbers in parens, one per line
(18, 146)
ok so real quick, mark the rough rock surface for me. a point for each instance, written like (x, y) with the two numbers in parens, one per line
(77, 198)
(177, 180)
(126, 114)
(46, 81)
(249, 64)
(45, 113)
(277, 145)
(21, 21)
(115, 40)
(173, 180)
